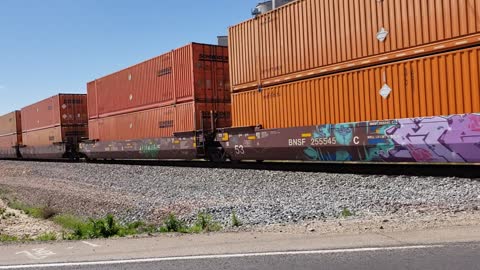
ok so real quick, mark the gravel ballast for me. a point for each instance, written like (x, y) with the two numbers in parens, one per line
(258, 197)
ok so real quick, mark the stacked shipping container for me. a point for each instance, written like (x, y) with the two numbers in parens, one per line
(441, 84)
(59, 119)
(10, 134)
(325, 62)
(158, 122)
(175, 92)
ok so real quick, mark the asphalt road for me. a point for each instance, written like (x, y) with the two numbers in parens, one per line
(448, 248)
(453, 256)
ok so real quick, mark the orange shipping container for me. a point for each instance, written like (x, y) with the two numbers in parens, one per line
(10, 123)
(159, 122)
(196, 72)
(443, 84)
(311, 37)
(53, 135)
(62, 109)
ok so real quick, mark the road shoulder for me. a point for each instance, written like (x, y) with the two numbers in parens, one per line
(224, 243)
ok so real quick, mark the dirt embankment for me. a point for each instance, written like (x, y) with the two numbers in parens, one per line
(15, 223)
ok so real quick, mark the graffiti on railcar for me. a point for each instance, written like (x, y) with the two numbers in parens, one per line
(334, 139)
(150, 150)
(379, 144)
(433, 139)
(438, 139)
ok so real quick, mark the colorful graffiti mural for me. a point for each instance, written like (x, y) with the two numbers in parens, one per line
(438, 139)
(432, 139)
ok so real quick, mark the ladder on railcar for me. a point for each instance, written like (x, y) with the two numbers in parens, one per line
(206, 145)
(200, 144)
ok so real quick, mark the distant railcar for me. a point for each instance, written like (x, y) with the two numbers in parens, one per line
(53, 128)
(10, 135)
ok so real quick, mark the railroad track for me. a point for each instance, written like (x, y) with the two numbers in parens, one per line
(407, 169)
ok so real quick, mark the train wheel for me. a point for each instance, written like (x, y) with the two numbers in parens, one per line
(216, 154)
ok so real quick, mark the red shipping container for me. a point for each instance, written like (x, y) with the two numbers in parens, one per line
(10, 134)
(62, 109)
(10, 123)
(8, 145)
(159, 122)
(53, 135)
(196, 72)
(9, 141)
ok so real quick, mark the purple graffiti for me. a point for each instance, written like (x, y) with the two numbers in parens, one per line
(463, 133)
(437, 139)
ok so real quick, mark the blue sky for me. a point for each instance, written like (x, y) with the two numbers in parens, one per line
(53, 46)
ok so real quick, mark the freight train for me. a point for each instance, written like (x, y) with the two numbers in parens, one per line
(327, 81)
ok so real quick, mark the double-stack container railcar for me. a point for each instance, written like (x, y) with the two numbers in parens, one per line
(53, 128)
(10, 134)
(343, 80)
(163, 108)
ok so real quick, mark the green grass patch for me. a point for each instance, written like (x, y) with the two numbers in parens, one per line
(205, 223)
(235, 221)
(173, 224)
(346, 213)
(100, 228)
(47, 237)
(43, 212)
(7, 238)
(68, 221)
(76, 228)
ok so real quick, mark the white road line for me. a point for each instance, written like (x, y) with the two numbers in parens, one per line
(221, 256)
(90, 244)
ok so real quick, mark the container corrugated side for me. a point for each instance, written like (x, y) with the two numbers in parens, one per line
(53, 135)
(92, 104)
(443, 84)
(10, 123)
(210, 73)
(9, 141)
(193, 72)
(62, 109)
(8, 145)
(73, 109)
(299, 39)
(159, 122)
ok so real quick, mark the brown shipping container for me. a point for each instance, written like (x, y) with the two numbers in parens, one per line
(10, 123)
(301, 39)
(443, 84)
(196, 72)
(62, 109)
(159, 122)
(9, 141)
(52, 135)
